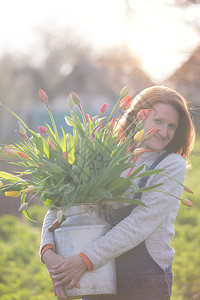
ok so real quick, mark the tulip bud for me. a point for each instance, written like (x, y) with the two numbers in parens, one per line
(188, 189)
(75, 98)
(139, 126)
(59, 216)
(51, 145)
(11, 152)
(124, 91)
(42, 129)
(21, 134)
(140, 151)
(23, 207)
(30, 189)
(126, 102)
(43, 96)
(87, 116)
(92, 139)
(12, 194)
(111, 125)
(103, 108)
(138, 136)
(70, 101)
(150, 133)
(65, 155)
(23, 155)
(1, 183)
(187, 202)
(40, 165)
(143, 114)
(21, 128)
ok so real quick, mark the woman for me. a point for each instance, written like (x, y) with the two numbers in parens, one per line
(141, 242)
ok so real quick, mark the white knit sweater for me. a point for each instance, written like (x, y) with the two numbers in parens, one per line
(153, 224)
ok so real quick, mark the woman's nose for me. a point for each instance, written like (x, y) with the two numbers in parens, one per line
(164, 131)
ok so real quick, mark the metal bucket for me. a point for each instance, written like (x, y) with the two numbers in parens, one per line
(84, 224)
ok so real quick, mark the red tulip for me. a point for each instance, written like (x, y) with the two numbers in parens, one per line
(126, 102)
(43, 96)
(103, 108)
(42, 129)
(143, 114)
(52, 146)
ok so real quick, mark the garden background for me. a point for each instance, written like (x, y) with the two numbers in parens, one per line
(62, 61)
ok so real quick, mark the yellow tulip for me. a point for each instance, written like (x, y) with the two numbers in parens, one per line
(138, 136)
(12, 194)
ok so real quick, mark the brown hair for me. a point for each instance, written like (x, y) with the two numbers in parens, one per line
(184, 137)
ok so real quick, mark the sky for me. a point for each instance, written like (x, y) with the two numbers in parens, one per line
(158, 34)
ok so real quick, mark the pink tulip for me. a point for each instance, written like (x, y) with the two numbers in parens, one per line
(87, 117)
(42, 129)
(103, 108)
(43, 96)
(143, 114)
(126, 102)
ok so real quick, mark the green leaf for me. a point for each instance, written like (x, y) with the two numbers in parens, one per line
(9, 177)
(135, 187)
(63, 142)
(150, 187)
(149, 173)
(132, 175)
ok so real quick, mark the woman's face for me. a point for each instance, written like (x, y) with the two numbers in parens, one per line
(165, 118)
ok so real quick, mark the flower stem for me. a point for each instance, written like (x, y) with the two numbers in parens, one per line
(52, 120)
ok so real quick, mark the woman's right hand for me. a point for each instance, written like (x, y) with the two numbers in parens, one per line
(50, 259)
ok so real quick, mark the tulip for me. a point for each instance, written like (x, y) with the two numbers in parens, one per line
(21, 134)
(92, 137)
(87, 117)
(23, 155)
(75, 98)
(150, 133)
(12, 194)
(143, 114)
(140, 151)
(1, 183)
(187, 202)
(30, 189)
(124, 92)
(42, 129)
(103, 108)
(21, 128)
(111, 125)
(11, 152)
(188, 189)
(59, 215)
(139, 126)
(51, 145)
(138, 136)
(70, 101)
(40, 165)
(65, 155)
(43, 96)
(126, 102)
(23, 207)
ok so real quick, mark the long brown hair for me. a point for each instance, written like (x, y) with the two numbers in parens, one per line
(184, 137)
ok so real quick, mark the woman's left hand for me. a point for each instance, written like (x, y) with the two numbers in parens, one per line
(68, 271)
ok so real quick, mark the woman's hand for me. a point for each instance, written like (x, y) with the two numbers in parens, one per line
(68, 271)
(50, 258)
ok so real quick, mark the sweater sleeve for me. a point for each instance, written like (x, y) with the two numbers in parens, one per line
(47, 237)
(139, 225)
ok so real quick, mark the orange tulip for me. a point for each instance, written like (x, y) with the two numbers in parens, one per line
(23, 155)
(52, 146)
(187, 202)
(188, 189)
(126, 102)
(111, 125)
(150, 133)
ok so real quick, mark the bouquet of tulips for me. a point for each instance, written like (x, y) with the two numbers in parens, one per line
(83, 167)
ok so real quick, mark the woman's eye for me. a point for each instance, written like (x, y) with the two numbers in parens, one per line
(158, 121)
(172, 126)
